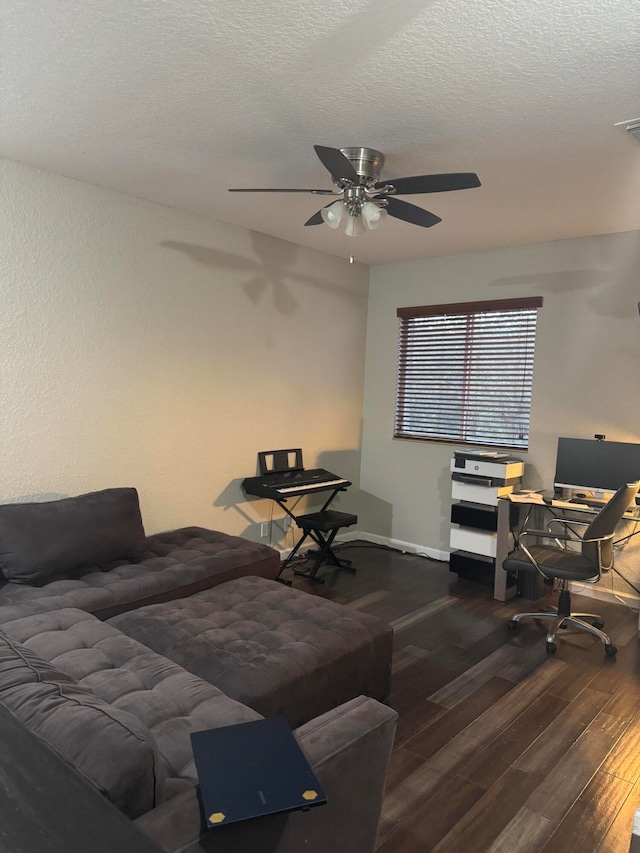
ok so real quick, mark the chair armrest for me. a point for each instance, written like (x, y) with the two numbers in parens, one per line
(569, 522)
(549, 534)
(348, 749)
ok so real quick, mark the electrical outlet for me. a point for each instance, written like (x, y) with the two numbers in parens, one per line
(264, 529)
(286, 523)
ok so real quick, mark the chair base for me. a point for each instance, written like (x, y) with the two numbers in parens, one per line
(562, 617)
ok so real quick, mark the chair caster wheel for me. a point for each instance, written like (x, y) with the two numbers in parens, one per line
(512, 625)
(598, 623)
(610, 650)
(552, 648)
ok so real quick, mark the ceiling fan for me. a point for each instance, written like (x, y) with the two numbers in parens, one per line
(364, 200)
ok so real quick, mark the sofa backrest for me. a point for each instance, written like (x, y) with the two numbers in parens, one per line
(40, 540)
(111, 748)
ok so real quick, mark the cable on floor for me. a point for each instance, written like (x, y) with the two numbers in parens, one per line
(344, 545)
(626, 580)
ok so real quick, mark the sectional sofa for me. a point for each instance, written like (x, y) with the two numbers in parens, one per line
(115, 646)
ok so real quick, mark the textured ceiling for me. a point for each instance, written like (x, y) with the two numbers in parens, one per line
(176, 100)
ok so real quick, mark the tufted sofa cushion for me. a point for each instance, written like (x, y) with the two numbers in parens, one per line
(276, 649)
(107, 745)
(175, 563)
(132, 679)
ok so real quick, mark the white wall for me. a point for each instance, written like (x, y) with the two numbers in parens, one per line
(145, 346)
(586, 377)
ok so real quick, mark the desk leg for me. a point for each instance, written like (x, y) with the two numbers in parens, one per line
(501, 590)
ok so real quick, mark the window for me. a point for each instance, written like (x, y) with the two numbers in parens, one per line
(465, 372)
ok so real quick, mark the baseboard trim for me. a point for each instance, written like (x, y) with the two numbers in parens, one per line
(398, 544)
(405, 547)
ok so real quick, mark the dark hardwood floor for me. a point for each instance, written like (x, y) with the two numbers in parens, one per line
(500, 746)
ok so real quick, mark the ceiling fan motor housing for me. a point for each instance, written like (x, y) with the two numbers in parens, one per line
(367, 162)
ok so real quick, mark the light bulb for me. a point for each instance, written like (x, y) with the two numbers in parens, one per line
(334, 214)
(354, 226)
(373, 215)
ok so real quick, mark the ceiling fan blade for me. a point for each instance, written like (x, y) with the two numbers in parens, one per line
(433, 183)
(411, 213)
(279, 190)
(316, 219)
(336, 163)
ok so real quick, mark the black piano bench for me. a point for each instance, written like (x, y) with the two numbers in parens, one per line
(322, 528)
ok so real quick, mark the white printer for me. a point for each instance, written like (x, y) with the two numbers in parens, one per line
(483, 477)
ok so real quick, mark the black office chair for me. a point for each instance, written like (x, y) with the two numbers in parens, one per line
(567, 564)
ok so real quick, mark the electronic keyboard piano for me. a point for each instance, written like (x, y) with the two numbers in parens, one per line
(289, 484)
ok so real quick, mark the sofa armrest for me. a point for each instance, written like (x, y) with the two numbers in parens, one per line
(348, 748)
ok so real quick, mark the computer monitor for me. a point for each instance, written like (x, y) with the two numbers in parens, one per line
(596, 466)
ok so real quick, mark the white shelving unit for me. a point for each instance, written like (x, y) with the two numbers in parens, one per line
(480, 535)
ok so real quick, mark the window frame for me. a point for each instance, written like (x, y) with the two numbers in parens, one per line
(469, 309)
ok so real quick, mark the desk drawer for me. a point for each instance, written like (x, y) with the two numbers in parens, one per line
(472, 567)
(487, 495)
(475, 541)
(481, 517)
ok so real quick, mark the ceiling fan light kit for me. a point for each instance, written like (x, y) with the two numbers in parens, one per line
(334, 213)
(354, 227)
(365, 201)
(369, 215)
(373, 215)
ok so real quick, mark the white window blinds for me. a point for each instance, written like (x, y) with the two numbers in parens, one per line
(465, 372)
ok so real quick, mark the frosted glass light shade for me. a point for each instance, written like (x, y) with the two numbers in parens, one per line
(354, 226)
(373, 215)
(334, 214)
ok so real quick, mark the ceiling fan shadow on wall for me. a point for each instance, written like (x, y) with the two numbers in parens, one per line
(364, 201)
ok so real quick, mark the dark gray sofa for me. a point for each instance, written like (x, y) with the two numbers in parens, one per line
(121, 715)
(120, 712)
(91, 552)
